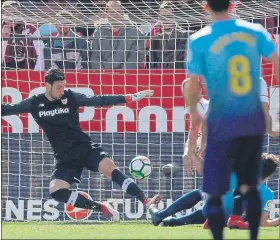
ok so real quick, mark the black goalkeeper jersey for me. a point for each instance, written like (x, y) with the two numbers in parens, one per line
(60, 119)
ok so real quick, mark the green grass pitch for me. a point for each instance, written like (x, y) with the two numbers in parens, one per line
(123, 230)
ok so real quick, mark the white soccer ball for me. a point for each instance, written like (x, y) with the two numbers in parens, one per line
(140, 167)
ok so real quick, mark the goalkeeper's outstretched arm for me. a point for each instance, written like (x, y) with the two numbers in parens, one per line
(109, 100)
(12, 109)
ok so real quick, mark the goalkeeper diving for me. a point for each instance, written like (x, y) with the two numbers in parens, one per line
(57, 112)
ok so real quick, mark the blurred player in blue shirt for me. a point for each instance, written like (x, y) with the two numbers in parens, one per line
(269, 165)
(227, 54)
(190, 199)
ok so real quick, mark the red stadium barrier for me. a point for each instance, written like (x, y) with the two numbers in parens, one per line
(167, 101)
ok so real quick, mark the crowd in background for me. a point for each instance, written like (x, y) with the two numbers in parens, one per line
(108, 45)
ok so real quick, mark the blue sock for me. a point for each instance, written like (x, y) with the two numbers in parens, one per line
(216, 219)
(187, 201)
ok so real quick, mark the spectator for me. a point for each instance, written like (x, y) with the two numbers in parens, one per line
(168, 41)
(69, 53)
(92, 8)
(267, 22)
(116, 43)
(17, 51)
(54, 6)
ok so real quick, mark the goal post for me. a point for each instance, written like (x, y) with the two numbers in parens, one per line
(147, 52)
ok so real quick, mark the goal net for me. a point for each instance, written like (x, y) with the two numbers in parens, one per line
(109, 49)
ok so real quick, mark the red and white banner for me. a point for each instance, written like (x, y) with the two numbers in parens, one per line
(51, 210)
(164, 112)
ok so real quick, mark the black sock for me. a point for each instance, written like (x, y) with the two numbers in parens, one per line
(128, 185)
(237, 206)
(74, 198)
(253, 211)
(215, 214)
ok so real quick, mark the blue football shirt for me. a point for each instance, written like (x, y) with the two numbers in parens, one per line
(266, 197)
(228, 55)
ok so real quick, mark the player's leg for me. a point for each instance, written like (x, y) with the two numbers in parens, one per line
(247, 168)
(195, 217)
(62, 179)
(110, 170)
(235, 220)
(59, 190)
(227, 206)
(216, 176)
(237, 202)
(187, 201)
(100, 161)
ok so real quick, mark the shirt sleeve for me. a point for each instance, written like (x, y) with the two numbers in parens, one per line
(267, 200)
(266, 44)
(194, 58)
(98, 100)
(264, 91)
(21, 107)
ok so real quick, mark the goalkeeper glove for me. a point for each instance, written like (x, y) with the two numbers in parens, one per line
(138, 96)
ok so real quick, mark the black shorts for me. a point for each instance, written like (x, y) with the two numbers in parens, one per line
(246, 154)
(86, 156)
